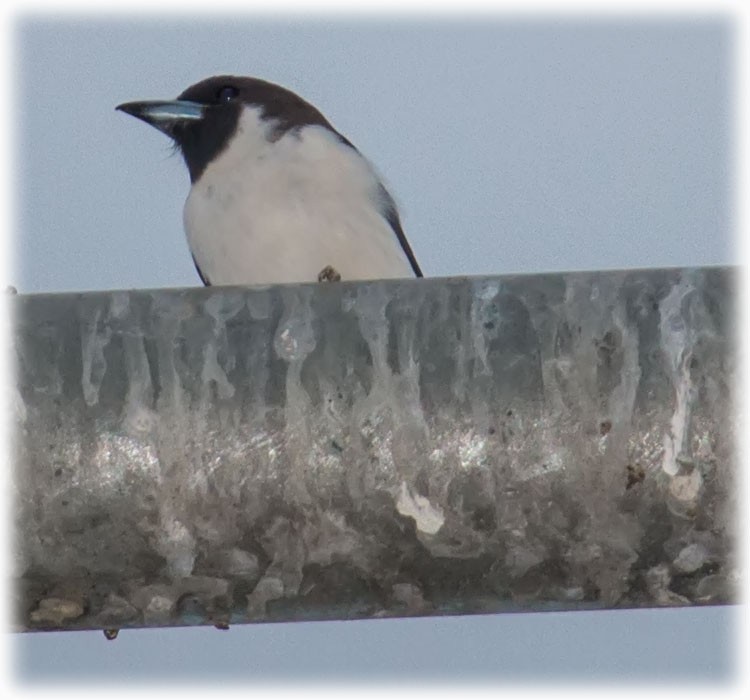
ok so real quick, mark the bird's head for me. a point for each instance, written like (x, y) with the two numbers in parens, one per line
(204, 118)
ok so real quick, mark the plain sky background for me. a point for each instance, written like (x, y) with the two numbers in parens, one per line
(509, 145)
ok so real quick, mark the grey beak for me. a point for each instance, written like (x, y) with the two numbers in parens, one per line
(164, 114)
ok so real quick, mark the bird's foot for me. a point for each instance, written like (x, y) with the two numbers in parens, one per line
(329, 274)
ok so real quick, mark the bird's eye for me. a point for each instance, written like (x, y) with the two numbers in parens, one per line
(227, 93)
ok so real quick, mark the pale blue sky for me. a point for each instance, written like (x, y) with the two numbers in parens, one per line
(510, 146)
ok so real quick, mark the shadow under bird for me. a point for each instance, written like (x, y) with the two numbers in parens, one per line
(277, 194)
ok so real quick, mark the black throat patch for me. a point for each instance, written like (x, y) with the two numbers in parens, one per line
(202, 141)
(224, 97)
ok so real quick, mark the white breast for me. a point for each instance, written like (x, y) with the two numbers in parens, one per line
(273, 212)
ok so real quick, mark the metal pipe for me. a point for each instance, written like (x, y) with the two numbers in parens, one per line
(340, 451)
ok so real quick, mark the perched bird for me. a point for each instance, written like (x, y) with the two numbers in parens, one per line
(277, 194)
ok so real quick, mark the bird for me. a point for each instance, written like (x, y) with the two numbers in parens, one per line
(277, 194)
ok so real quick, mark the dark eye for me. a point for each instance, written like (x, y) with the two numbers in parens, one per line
(227, 93)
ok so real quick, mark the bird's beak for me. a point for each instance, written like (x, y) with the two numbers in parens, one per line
(164, 114)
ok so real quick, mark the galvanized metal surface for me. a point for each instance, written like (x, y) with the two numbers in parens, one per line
(394, 448)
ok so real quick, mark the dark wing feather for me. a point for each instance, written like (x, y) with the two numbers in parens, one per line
(391, 216)
(389, 212)
(204, 279)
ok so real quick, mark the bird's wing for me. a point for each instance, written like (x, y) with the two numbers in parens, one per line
(204, 279)
(391, 216)
(389, 212)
